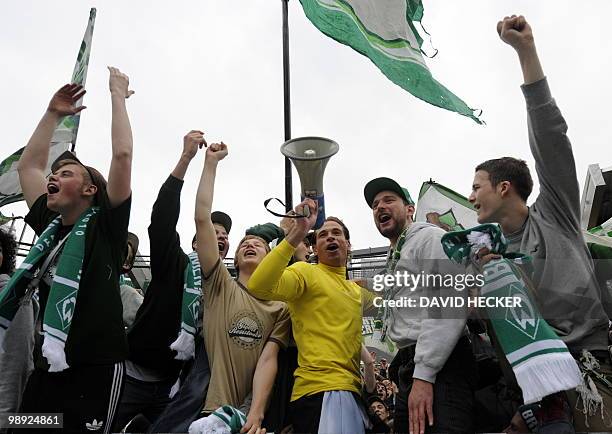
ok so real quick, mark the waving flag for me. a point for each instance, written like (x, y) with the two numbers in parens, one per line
(384, 31)
(65, 134)
(442, 206)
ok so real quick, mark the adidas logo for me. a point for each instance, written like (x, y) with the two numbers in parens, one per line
(95, 425)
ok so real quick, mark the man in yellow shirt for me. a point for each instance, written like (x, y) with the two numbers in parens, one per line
(326, 314)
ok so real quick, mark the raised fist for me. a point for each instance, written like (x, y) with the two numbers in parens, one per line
(216, 152)
(119, 83)
(193, 140)
(516, 32)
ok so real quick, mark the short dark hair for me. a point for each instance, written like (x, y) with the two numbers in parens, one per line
(9, 252)
(375, 398)
(512, 170)
(345, 230)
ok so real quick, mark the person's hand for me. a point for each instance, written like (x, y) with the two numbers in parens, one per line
(304, 224)
(119, 83)
(366, 357)
(484, 256)
(517, 425)
(286, 224)
(420, 406)
(516, 32)
(299, 229)
(193, 141)
(64, 101)
(216, 152)
(253, 424)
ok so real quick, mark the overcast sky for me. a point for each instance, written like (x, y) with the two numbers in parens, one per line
(217, 66)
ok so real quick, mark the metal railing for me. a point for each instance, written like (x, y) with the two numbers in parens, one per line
(363, 262)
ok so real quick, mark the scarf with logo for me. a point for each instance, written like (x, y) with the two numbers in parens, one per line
(63, 292)
(192, 289)
(540, 360)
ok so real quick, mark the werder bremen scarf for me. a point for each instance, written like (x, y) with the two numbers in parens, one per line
(540, 360)
(224, 420)
(62, 294)
(192, 289)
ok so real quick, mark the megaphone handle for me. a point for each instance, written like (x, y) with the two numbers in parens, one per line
(321, 209)
(291, 214)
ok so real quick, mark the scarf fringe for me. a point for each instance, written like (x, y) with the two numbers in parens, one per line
(546, 374)
(592, 401)
(53, 351)
(184, 346)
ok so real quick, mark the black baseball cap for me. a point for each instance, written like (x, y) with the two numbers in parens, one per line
(222, 219)
(133, 240)
(377, 185)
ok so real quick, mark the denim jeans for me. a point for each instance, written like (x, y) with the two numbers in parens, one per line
(453, 391)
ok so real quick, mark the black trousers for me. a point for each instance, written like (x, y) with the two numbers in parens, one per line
(142, 397)
(187, 404)
(453, 391)
(305, 413)
(86, 395)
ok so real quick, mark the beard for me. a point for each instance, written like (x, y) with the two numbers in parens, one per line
(391, 231)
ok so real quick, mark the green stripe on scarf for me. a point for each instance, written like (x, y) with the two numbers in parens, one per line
(192, 290)
(64, 289)
(232, 417)
(540, 360)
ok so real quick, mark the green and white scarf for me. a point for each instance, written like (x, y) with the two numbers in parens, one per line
(540, 360)
(224, 420)
(192, 290)
(62, 294)
(393, 257)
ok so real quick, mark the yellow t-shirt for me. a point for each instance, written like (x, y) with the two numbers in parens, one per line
(236, 327)
(326, 315)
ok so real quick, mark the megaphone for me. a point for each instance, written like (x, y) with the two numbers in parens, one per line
(310, 155)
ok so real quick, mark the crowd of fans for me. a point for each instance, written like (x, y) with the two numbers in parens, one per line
(278, 346)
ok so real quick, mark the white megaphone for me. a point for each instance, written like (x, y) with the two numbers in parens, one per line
(310, 155)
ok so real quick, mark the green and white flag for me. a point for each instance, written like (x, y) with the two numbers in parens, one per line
(385, 32)
(4, 219)
(65, 134)
(443, 207)
(371, 331)
(600, 235)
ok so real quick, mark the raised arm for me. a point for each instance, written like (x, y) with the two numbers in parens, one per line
(165, 242)
(35, 156)
(192, 141)
(559, 198)
(272, 280)
(120, 174)
(208, 251)
(369, 375)
(263, 382)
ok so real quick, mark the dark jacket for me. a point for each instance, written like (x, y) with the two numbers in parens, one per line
(158, 321)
